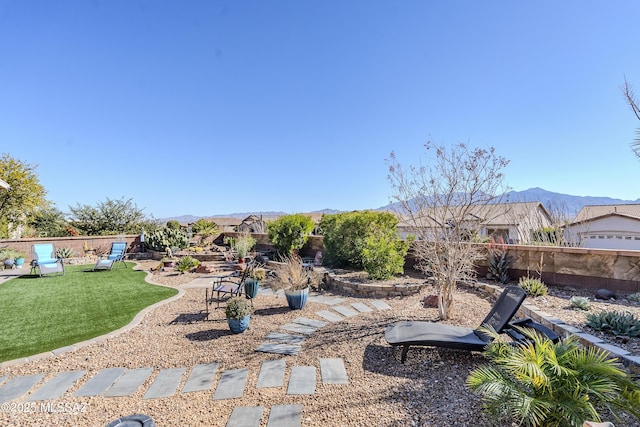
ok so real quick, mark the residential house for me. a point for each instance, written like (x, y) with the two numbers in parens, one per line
(4, 185)
(606, 227)
(513, 222)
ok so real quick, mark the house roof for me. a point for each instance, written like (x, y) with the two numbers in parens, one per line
(3, 184)
(590, 212)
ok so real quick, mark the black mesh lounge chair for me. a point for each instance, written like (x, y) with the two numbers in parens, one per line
(225, 287)
(420, 333)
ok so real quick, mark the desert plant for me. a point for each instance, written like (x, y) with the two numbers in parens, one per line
(167, 238)
(242, 244)
(634, 297)
(291, 274)
(289, 233)
(615, 323)
(542, 383)
(173, 224)
(532, 286)
(64, 253)
(499, 260)
(186, 263)
(581, 303)
(237, 308)
(257, 273)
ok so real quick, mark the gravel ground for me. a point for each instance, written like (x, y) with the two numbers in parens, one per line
(428, 390)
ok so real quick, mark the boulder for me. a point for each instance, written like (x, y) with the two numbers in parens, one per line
(605, 294)
(430, 301)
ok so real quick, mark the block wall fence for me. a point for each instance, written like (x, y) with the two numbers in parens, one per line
(577, 267)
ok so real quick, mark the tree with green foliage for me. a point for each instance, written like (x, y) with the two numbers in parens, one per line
(364, 239)
(24, 197)
(111, 217)
(173, 224)
(49, 222)
(289, 233)
(542, 383)
(205, 228)
(439, 200)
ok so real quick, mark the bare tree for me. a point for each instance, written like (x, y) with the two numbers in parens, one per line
(438, 200)
(631, 99)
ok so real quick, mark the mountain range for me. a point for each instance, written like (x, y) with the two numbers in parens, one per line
(557, 203)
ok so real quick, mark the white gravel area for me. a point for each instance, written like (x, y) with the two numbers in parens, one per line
(428, 390)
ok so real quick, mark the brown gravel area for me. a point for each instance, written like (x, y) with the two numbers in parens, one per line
(429, 390)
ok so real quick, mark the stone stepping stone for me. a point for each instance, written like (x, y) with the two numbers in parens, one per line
(344, 310)
(18, 386)
(265, 291)
(129, 382)
(271, 373)
(329, 315)
(245, 416)
(285, 338)
(310, 322)
(165, 384)
(101, 382)
(325, 300)
(56, 386)
(332, 371)
(231, 384)
(380, 305)
(279, 348)
(298, 328)
(201, 378)
(361, 307)
(302, 380)
(285, 416)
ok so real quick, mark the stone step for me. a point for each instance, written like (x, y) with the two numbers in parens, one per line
(329, 315)
(18, 386)
(165, 384)
(380, 305)
(56, 386)
(245, 416)
(279, 348)
(361, 307)
(285, 416)
(101, 382)
(309, 322)
(201, 378)
(298, 328)
(129, 382)
(322, 299)
(285, 338)
(344, 310)
(271, 373)
(302, 380)
(332, 371)
(231, 384)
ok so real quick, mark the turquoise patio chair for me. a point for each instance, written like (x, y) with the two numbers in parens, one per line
(117, 254)
(45, 260)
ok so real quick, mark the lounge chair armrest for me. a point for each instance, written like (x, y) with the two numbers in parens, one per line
(513, 332)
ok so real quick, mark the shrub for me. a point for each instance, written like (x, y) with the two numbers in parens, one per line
(289, 232)
(242, 244)
(532, 286)
(383, 256)
(634, 297)
(186, 263)
(167, 238)
(542, 383)
(581, 303)
(615, 323)
(173, 224)
(345, 234)
(237, 308)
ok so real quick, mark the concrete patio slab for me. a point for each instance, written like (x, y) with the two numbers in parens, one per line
(278, 348)
(231, 384)
(165, 384)
(285, 338)
(361, 307)
(298, 328)
(380, 305)
(271, 373)
(302, 380)
(344, 310)
(101, 382)
(129, 382)
(309, 322)
(329, 315)
(285, 416)
(332, 371)
(18, 386)
(56, 386)
(201, 378)
(245, 416)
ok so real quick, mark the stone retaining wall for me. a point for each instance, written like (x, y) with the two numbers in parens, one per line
(372, 289)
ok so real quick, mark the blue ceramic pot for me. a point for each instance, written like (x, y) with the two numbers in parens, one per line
(297, 299)
(238, 326)
(251, 288)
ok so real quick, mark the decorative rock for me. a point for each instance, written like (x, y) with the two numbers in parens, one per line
(430, 301)
(605, 294)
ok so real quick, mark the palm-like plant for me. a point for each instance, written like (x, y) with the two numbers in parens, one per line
(542, 383)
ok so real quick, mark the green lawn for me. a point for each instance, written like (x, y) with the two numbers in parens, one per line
(40, 314)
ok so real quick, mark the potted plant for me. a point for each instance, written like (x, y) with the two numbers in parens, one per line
(8, 257)
(242, 245)
(19, 259)
(294, 278)
(255, 274)
(238, 313)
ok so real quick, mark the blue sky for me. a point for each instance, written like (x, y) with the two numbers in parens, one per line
(211, 107)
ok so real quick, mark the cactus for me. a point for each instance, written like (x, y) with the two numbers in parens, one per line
(167, 238)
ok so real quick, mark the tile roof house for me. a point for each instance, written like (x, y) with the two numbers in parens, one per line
(606, 227)
(514, 222)
(4, 184)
